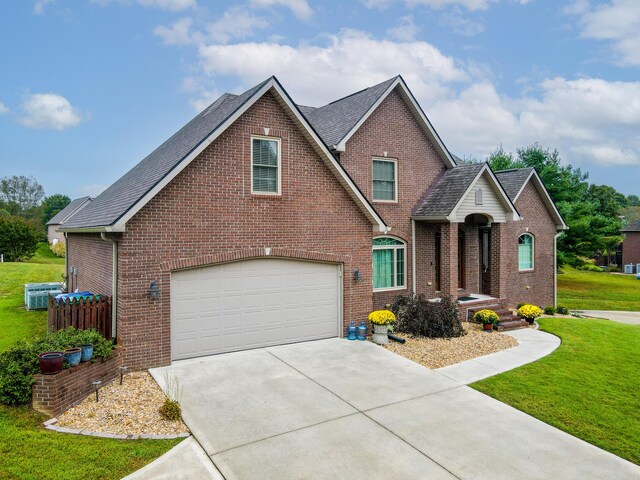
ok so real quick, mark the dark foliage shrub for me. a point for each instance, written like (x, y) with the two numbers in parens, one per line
(521, 304)
(418, 316)
(563, 310)
(171, 410)
(550, 310)
(20, 363)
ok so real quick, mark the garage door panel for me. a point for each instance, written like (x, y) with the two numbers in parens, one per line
(252, 304)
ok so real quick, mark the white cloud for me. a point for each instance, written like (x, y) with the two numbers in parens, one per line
(50, 111)
(405, 30)
(468, 4)
(300, 8)
(3, 109)
(617, 22)
(40, 5)
(178, 33)
(173, 5)
(237, 22)
(350, 61)
(462, 24)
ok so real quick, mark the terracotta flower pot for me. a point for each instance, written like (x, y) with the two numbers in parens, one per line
(487, 326)
(50, 362)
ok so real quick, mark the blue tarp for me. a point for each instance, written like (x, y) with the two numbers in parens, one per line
(74, 295)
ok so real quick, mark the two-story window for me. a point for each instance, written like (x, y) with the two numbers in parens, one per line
(385, 180)
(388, 263)
(525, 252)
(265, 165)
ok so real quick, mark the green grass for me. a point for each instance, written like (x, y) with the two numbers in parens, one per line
(588, 387)
(581, 290)
(28, 450)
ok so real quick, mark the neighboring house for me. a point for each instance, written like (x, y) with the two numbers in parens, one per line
(63, 216)
(263, 222)
(631, 244)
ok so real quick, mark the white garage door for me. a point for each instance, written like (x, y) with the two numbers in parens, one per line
(252, 303)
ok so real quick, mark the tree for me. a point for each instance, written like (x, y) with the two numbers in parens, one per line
(500, 160)
(18, 238)
(53, 204)
(633, 200)
(609, 201)
(22, 192)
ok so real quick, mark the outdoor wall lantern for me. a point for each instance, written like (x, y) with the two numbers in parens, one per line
(154, 291)
(357, 276)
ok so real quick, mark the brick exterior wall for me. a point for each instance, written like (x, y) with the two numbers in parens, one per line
(535, 286)
(93, 257)
(54, 394)
(393, 129)
(207, 214)
(631, 248)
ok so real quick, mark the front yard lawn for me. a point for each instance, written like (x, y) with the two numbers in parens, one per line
(27, 449)
(582, 290)
(588, 387)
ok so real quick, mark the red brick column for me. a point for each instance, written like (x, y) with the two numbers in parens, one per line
(449, 256)
(498, 265)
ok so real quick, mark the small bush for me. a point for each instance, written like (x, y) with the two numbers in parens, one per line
(589, 268)
(550, 310)
(529, 312)
(486, 317)
(20, 363)
(563, 310)
(18, 239)
(520, 305)
(613, 268)
(170, 410)
(416, 315)
(58, 249)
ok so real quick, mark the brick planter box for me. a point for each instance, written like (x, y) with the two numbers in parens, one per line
(54, 394)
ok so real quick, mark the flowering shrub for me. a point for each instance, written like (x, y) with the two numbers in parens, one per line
(486, 317)
(58, 249)
(529, 312)
(382, 317)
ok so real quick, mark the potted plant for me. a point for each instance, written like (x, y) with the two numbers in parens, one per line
(73, 356)
(529, 312)
(488, 318)
(50, 362)
(381, 319)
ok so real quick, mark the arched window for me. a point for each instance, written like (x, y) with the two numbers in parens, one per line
(525, 252)
(388, 263)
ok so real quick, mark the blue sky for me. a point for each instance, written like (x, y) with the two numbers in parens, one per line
(90, 87)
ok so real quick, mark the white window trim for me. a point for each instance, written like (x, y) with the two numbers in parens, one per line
(279, 166)
(533, 252)
(395, 178)
(395, 248)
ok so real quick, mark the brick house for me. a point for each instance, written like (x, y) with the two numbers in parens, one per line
(53, 234)
(264, 222)
(631, 244)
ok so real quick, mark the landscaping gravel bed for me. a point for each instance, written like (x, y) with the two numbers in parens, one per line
(130, 408)
(441, 352)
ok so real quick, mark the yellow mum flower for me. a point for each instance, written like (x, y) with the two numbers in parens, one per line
(382, 317)
(530, 312)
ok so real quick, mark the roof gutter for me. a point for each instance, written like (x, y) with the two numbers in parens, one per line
(114, 283)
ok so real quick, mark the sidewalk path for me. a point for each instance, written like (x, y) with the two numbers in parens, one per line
(632, 318)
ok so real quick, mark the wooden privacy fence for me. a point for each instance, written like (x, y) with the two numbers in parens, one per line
(81, 313)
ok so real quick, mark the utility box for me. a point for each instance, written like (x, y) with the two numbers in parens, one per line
(39, 300)
(629, 268)
(40, 287)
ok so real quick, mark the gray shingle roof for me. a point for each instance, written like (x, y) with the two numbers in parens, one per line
(116, 200)
(632, 227)
(513, 180)
(333, 121)
(67, 212)
(448, 190)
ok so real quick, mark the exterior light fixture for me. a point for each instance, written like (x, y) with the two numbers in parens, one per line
(96, 385)
(123, 369)
(357, 276)
(154, 291)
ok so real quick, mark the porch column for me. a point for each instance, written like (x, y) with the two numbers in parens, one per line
(449, 258)
(497, 263)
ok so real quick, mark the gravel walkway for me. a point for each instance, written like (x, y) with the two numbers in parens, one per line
(130, 408)
(441, 352)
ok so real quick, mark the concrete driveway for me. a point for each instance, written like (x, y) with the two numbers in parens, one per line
(334, 409)
(632, 318)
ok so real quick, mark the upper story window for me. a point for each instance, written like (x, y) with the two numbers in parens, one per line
(388, 264)
(385, 180)
(265, 165)
(525, 252)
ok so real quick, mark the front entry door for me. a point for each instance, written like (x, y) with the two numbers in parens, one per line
(485, 259)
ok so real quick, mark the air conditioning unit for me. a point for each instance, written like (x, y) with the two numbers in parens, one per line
(629, 268)
(39, 300)
(40, 287)
(638, 268)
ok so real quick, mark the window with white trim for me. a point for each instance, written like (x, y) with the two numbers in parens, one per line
(265, 165)
(385, 180)
(388, 263)
(525, 252)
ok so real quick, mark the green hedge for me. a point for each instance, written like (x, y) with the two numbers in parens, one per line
(20, 363)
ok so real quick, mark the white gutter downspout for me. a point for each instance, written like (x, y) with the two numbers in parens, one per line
(555, 269)
(413, 256)
(66, 259)
(114, 284)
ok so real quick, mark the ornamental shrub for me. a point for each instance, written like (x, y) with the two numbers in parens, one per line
(529, 312)
(550, 310)
(418, 316)
(563, 310)
(18, 238)
(486, 316)
(20, 363)
(382, 317)
(58, 249)
(170, 410)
